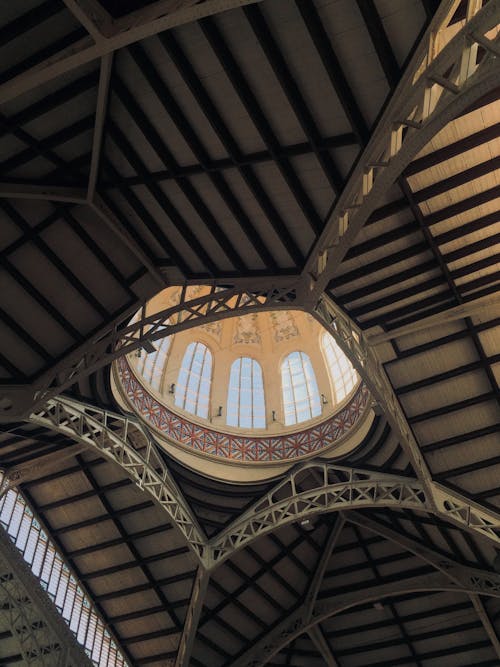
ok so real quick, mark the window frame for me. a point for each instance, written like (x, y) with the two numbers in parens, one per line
(311, 402)
(188, 392)
(255, 398)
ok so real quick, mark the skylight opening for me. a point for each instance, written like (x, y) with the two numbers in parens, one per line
(48, 565)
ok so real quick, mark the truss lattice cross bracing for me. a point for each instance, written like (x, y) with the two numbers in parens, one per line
(338, 159)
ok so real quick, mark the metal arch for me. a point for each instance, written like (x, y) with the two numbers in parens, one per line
(309, 489)
(427, 98)
(44, 638)
(330, 488)
(469, 582)
(113, 436)
(355, 345)
(17, 402)
(442, 501)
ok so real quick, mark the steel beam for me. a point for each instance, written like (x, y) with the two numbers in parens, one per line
(326, 554)
(115, 437)
(92, 16)
(319, 640)
(18, 401)
(26, 191)
(444, 317)
(44, 638)
(86, 50)
(486, 622)
(435, 88)
(100, 208)
(192, 619)
(296, 623)
(100, 117)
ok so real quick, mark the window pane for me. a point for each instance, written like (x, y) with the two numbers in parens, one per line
(245, 397)
(192, 391)
(301, 399)
(342, 373)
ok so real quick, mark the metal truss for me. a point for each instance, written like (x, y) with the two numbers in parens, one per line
(192, 619)
(123, 440)
(440, 82)
(354, 344)
(456, 578)
(320, 487)
(315, 488)
(43, 637)
(17, 402)
(312, 488)
(441, 500)
(107, 36)
(449, 576)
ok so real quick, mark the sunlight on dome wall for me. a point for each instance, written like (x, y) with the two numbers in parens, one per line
(257, 371)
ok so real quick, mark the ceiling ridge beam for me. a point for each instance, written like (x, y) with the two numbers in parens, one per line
(86, 50)
(296, 623)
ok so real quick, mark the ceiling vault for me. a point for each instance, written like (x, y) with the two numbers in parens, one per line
(191, 149)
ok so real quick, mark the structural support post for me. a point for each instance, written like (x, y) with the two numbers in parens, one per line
(100, 118)
(326, 554)
(319, 640)
(487, 624)
(195, 608)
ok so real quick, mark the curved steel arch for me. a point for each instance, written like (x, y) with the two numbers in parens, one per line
(433, 91)
(335, 488)
(117, 340)
(309, 489)
(113, 436)
(465, 580)
(331, 488)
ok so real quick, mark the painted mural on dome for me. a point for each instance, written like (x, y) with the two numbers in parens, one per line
(284, 326)
(246, 330)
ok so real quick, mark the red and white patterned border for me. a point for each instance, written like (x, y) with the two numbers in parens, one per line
(238, 447)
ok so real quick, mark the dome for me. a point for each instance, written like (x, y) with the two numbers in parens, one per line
(259, 388)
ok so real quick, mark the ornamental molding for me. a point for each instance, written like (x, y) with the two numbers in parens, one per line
(240, 448)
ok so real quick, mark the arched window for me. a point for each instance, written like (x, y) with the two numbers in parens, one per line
(301, 399)
(245, 397)
(154, 363)
(192, 391)
(342, 373)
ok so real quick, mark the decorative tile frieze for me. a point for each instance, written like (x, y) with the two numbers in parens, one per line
(240, 447)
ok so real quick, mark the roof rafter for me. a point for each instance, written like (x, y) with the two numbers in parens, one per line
(297, 622)
(402, 132)
(85, 50)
